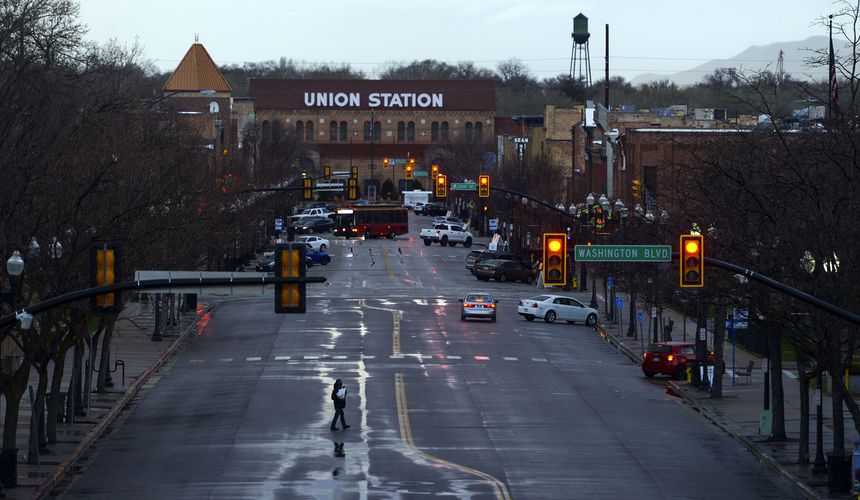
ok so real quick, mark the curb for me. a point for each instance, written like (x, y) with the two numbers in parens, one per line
(598, 328)
(762, 456)
(99, 430)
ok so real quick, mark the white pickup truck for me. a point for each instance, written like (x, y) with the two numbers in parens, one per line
(447, 234)
(312, 212)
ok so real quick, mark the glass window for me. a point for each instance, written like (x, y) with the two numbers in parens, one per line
(343, 131)
(434, 132)
(267, 131)
(401, 131)
(377, 131)
(366, 131)
(276, 131)
(332, 131)
(650, 179)
(660, 349)
(559, 301)
(444, 132)
(410, 132)
(300, 130)
(469, 132)
(688, 350)
(479, 132)
(309, 131)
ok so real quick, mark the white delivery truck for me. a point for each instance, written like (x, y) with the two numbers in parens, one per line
(411, 198)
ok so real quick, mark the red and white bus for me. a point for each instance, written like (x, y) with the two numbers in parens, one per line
(372, 220)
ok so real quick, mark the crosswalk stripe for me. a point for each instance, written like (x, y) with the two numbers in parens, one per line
(454, 357)
(510, 358)
(311, 357)
(226, 360)
(540, 360)
(482, 358)
(338, 357)
(282, 358)
(254, 358)
(196, 361)
(367, 357)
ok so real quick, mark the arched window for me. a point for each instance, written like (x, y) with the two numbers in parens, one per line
(367, 131)
(343, 136)
(401, 131)
(377, 131)
(332, 131)
(266, 132)
(444, 132)
(479, 132)
(410, 131)
(309, 131)
(434, 132)
(470, 136)
(300, 131)
(276, 131)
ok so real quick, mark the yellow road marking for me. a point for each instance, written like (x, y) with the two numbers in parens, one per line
(406, 436)
(388, 266)
(395, 330)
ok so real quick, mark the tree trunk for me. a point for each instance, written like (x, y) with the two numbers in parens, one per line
(56, 386)
(37, 422)
(719, 348)
(803, 445)
(777, 391)
(104, 359)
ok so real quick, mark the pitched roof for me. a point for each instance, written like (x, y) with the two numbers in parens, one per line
(197, 72)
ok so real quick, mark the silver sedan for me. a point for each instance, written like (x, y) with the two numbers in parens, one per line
(478, 305)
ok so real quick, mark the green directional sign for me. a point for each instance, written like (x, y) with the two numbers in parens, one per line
(462, 186)
(623, 253)
(420, 173)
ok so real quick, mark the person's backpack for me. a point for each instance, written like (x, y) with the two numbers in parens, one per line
(341, 393)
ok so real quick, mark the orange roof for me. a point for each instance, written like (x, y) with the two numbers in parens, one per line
(197, 72)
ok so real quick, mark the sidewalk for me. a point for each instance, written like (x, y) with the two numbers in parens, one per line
(738, 411)
(142, 357)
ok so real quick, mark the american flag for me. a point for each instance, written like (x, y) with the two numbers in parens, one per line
(834, 87)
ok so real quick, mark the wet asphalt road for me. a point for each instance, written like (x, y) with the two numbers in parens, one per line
(436, 406)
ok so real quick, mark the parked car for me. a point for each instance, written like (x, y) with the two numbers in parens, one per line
(313, 225)
(316, 243)
(311, 212)
(504, 270)
(416, 208)
(556, 307)
(671, 358)
(432, 209)
(268, 266)
(478, 305)
(476, 256)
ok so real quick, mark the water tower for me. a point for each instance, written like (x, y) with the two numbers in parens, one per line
(579, 52)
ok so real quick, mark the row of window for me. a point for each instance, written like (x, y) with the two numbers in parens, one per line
(338, 131)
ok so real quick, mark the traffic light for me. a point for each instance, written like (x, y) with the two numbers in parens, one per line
(327, 173)
(441, 186)
(637, 190)
(353, 171)
(599, 217)
(484, 186)
(104, 266)
(352, 189)
(692, 261)
(308, 189)
(555, 259)
(290, 263)
(486, 208)
(385, 162)
(409, 168)
(434, 170)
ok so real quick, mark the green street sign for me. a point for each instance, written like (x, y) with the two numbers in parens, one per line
(419, 173)
(462, 186)
(623, 253)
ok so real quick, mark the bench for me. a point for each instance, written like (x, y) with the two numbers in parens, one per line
(746, 373)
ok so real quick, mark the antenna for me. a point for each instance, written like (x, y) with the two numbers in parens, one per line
(196, 37)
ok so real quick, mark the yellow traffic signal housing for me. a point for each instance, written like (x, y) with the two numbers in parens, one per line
(637, 190)
(104, 265)
(385, 162)
(555, 259)
(353, 171)
(484, 186)
(409, 168)
(327, 173)
(290, 263)
(692, 261)
(352, 189)
(441, 184)
(434, 171)
(308, 188)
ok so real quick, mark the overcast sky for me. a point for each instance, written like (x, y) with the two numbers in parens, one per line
(646, 36)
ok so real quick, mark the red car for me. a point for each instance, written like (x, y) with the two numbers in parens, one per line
(670, 358)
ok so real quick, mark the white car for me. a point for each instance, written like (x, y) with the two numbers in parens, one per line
(557, 307)
(317, 243)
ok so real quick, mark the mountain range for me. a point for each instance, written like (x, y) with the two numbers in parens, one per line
(755, 58)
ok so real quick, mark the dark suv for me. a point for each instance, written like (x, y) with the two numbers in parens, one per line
(476, 256)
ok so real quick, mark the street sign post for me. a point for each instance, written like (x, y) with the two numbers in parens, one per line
(494, 224)
(279, 224)
(623, 253)
(463, 186)
(328, 186)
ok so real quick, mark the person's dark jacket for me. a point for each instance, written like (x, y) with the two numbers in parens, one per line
(338, 403)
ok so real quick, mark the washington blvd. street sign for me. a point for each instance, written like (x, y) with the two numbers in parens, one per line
(462, 186)
(623, 253)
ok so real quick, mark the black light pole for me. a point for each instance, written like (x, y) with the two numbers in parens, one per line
(9, 458)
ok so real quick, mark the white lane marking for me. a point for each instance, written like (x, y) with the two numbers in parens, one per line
(395, 356)
(196, 361)
(510, 358)
(226, 360)
(367, 357)
(363, 283)
(454, 357)
(482, 358)
(789, 374)
(282, 358)
(254, 358)
(311, 357)
(338, 357)
(540, 360)
(421, 302)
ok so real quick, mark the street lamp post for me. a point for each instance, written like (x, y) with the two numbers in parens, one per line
(9, 457)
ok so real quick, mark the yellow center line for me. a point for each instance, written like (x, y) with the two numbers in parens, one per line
(499, 487)
(395, 329)
(388, 265)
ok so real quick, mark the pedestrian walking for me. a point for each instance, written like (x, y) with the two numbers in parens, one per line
(539, 280)
(338, 397)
